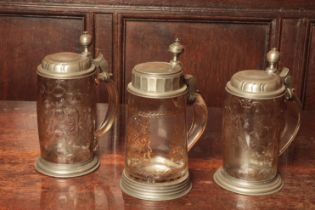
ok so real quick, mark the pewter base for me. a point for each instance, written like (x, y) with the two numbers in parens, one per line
(66, 170)
(155, 191)
(244, 187)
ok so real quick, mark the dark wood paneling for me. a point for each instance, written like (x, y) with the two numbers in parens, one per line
(220, 37)
(24, 41)
(292, 48)
(214, 50)
(104, 44)
(233, 4)
(309, 97)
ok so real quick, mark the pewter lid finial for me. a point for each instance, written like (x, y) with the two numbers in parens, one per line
(272, 57)
(176, 48)
(85, 41)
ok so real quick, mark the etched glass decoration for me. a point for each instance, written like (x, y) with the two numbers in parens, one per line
(156, 139)
(250, 137)
(67, 119)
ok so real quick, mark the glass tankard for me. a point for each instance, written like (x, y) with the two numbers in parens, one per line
(66, 111)
(157, 141)
(261, 118)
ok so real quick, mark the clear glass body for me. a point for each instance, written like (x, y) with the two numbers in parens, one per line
(251, 137)
(156, 139)
(66, 112)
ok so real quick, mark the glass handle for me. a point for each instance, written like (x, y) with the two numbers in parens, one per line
(199, 121)
(112, 106)
(292, 123)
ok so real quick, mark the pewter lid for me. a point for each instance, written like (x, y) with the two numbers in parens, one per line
(159, 79)
(68, 65)
(259, 84)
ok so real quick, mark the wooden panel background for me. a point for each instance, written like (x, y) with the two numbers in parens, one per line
(309, 97)
(220, 38)
(24, 41)
(103, 44)
(292, 48)
(234, 4)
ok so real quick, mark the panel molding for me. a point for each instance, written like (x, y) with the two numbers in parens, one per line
(103, 43)
(195, 8)
(308, 94)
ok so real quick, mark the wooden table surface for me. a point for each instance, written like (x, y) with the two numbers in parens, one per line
(21, 187)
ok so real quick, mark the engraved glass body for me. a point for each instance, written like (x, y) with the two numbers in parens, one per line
(66, 119)
(251, 134)
(156, 148)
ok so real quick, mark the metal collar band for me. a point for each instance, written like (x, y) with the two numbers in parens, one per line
(157, 80)
(155, 191)
(65, 65)
(66, 170)
(244, 187)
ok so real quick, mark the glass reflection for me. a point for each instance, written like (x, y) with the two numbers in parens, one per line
(79, 193)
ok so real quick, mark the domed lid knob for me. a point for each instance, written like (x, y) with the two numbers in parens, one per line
(85, 41)
(272, 57)
(176, 48)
